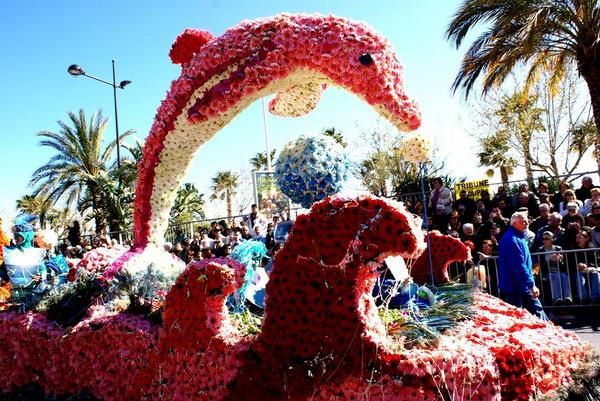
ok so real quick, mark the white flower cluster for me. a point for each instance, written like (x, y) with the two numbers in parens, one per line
(416, 148)
(298, 100)
(148, 277)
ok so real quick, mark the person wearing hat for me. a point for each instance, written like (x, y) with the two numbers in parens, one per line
(24, 266)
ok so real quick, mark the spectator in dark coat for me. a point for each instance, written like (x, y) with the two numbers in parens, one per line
(584, 192)
(466, 203)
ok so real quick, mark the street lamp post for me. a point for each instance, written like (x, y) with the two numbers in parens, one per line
(266, 129)
(76, 71)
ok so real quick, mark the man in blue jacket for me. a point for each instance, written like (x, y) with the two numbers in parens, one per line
(515, 268)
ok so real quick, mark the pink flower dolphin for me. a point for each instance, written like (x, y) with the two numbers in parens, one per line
(294, 56)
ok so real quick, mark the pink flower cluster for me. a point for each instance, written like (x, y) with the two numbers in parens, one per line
(272, 48)
(531, 356)
(104, 355)
(253, 55)
(98, 260)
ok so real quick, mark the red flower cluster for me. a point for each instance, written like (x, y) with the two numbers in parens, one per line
(531, 356)
(319, 295)
(444, 251)
(199, 348)
(322, 338)
(104, 355)
(187, 44)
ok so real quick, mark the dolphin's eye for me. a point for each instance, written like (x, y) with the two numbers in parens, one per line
(365, 59)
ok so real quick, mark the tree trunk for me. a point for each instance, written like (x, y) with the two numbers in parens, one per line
(504, 177)
(229, 206)
(528, 172)
(96, 206)
(114, 227)
(590, 71)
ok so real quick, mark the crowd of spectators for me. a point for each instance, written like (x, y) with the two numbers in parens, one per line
(220, 238)
(216, 240)
(564, 213)
(565, 220)
(33, 261)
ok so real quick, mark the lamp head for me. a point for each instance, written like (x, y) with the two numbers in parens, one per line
(123, 84)
(75, 70)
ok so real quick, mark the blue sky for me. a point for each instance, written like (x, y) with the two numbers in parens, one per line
(41, 38)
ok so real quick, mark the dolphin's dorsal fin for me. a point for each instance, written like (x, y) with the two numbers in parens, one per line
(297, 100)
(188, 44)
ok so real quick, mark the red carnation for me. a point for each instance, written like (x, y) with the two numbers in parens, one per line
(188, 44)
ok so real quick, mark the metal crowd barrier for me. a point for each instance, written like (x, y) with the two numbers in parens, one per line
(559, 281)
(187, 228)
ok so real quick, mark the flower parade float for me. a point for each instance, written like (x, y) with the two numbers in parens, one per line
(322, 337)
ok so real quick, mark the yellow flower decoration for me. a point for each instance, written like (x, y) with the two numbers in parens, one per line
(416, 149)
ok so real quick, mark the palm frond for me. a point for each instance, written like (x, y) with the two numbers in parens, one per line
(422, 326)
(79, 171)
(520, 33)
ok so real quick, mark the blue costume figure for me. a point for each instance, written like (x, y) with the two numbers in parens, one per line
(24, 266)
(515, 272)
(251, 254)
(56, 264)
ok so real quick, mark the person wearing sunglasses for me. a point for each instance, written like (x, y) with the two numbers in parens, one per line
(572, 216)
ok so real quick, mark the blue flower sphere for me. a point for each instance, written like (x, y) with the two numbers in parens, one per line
(311, 168)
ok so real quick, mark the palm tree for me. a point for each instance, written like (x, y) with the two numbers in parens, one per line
(59, 219)
(224, 188)
(547, 35)
(259, 161)
(36, 205)
(117, 203)
(494, 153)
(189, 204)
(78, 165)
(129, 165)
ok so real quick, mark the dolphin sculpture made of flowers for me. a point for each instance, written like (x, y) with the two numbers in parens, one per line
(294, 56)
